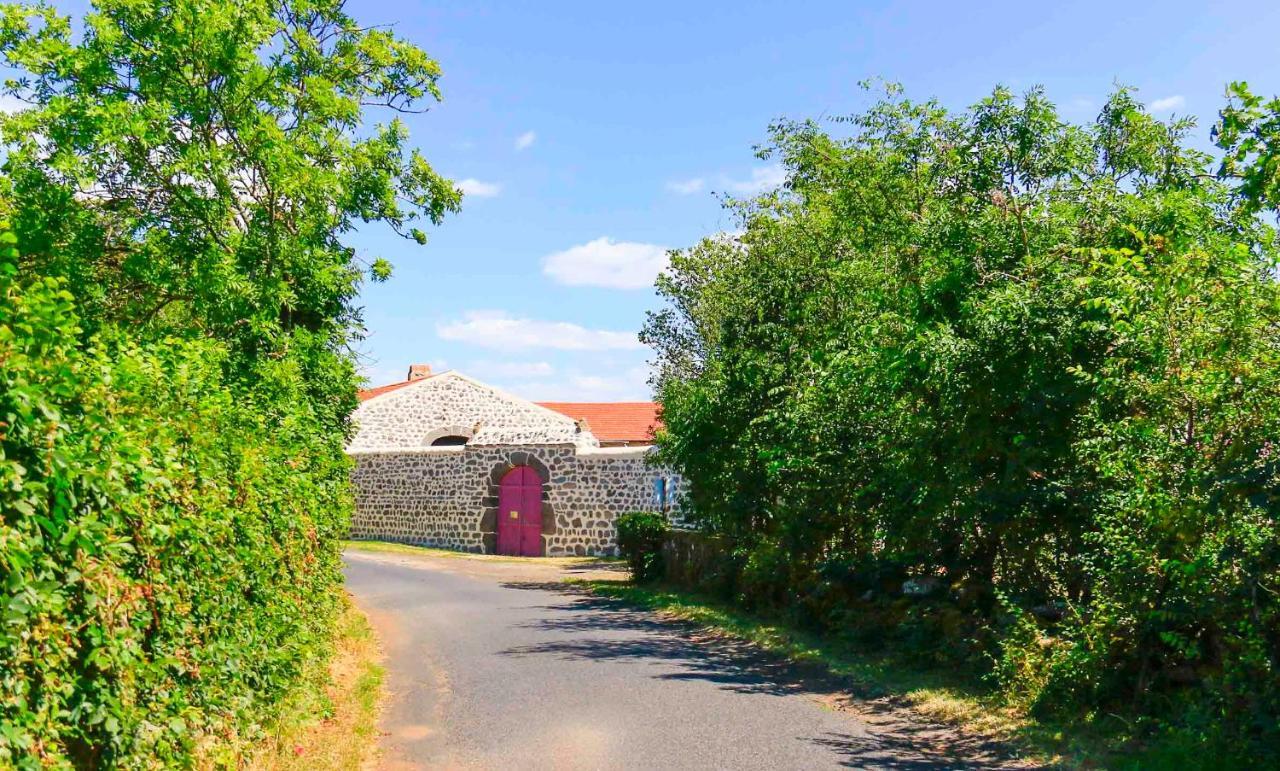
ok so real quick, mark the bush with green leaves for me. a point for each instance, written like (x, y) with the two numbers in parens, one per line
(640, 538)
(1034, 360)
(176, 375)
(167, 551)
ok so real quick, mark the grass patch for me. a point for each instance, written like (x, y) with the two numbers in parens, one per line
(389, 547)
(943, 696)
(330, 722)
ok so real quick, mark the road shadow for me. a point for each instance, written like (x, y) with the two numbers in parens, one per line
(597, 567)
(607, 629)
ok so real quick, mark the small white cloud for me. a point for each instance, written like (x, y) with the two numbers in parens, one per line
(500, 331)
(579, 386)
(499, 369)
(376, 375)
(478, 189)
(1168, 103)
(10, 104)
(686, 186)
(525, 140)
(597, 386)
(762, 178)
(631, 385)
(608, 263)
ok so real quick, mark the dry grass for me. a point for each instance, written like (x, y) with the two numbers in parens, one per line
(388, 547)
(331, 721)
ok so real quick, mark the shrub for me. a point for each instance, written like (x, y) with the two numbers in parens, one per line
(177, 314)
(640, 538)
(167, 552)
(1033, 359)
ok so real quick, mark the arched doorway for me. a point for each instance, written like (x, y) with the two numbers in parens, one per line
(520, 513)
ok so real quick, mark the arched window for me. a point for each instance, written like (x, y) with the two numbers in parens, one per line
(449, 436)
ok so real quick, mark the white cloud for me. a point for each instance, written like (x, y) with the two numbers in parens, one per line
(580, 386)
(1168, 103)
(498, 330)
(762, 178)
(598, 386)
(499, 369)
(629, 385)
(686, 186)
(525, 140)
(10, 104)
(379, 375)
(608, 263)
(478, 189)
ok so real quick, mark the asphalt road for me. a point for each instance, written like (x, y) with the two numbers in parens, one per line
(493, 667)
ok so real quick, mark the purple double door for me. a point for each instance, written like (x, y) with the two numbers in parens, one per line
(520, 513)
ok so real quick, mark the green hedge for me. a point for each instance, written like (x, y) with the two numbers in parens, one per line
(176, 366)
(640, 538)
(1033, 364)
(167, 549)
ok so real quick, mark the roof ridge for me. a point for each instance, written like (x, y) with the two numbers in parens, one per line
(632, 421)
(626, 401)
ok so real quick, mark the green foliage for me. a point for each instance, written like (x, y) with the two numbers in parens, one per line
(1248, 132)
(640, 538)
(1035, 361)
(167, 557)
(196, 164)
(175, 375)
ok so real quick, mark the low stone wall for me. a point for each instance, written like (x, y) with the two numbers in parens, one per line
(448, 496)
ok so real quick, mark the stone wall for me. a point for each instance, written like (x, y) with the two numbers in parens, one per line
(453, 404)
(448, 496)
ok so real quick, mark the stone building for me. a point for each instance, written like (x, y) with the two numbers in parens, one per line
(445, 460)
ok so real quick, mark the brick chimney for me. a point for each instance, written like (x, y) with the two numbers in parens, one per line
(419, 371)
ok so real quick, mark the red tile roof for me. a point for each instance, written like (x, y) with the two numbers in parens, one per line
(613, 421)
(369, 393)
(416, 372)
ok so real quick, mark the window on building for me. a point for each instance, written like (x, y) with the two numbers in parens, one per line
(449, 441)
(664, 493)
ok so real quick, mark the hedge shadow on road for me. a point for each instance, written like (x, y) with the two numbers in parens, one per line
(608, 629)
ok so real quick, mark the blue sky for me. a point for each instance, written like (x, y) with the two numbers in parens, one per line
(593, 135)
(577, 122)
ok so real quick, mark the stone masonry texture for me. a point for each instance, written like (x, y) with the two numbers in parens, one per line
(411, 492)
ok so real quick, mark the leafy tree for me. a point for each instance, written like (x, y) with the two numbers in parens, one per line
(174, 329)
(1032, 359)
(1248, 132)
